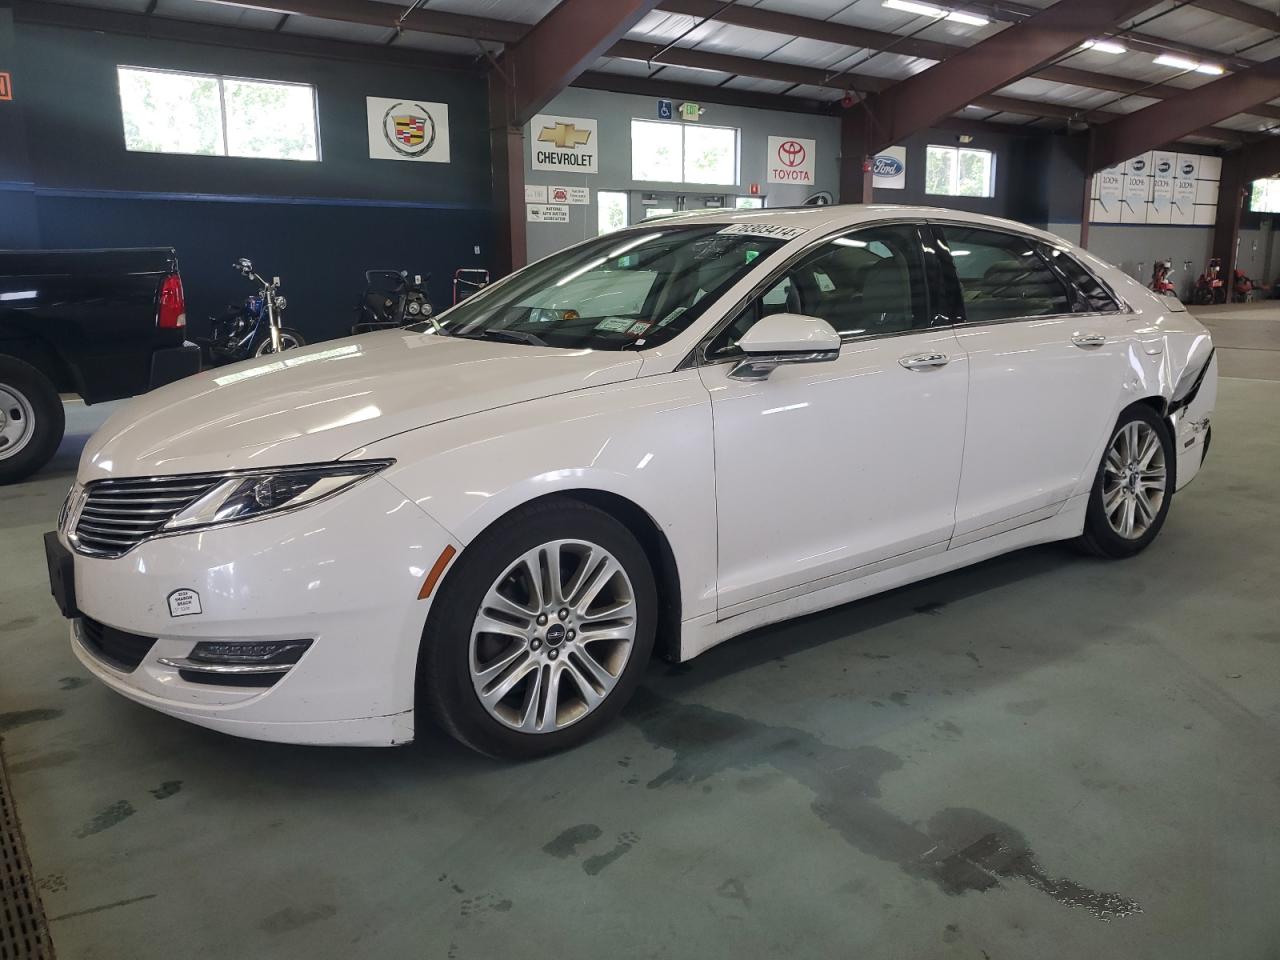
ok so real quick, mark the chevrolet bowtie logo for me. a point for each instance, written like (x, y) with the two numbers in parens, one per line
(564, 135)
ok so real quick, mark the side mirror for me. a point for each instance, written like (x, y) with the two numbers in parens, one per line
(782, 338)
(244, 265)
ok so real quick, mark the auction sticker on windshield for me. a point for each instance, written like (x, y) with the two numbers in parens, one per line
(774, 230)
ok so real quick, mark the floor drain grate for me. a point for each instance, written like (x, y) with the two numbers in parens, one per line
(23, 932)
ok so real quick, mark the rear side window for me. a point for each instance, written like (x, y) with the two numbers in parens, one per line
(1093, 294)
(1003, 276)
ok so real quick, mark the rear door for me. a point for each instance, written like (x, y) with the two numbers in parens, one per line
(1046, 365)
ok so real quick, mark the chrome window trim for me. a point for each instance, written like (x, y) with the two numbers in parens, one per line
(162, 534)
(697, 357)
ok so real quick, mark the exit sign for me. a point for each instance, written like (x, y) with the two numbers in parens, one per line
(690, 111)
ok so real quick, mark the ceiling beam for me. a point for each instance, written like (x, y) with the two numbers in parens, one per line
(1260, 160)
(1244, 12)
(663, 89)
(1171, 119)
(374, 14)
(573, 36)
(920, 100)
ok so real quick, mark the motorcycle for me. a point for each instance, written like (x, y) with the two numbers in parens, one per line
(391, 300)
(254, 328)
(1210, 287)
(1160, 281)
(1244, 289)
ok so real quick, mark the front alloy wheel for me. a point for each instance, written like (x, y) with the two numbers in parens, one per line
(540, 631)
(553, 635)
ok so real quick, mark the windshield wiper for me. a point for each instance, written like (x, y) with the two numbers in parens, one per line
(506, 336)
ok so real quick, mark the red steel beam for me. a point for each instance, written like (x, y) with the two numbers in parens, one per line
(946, 87)
(1170, 119)
(560, 46)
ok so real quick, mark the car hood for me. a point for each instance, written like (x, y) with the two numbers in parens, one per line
(319, 403)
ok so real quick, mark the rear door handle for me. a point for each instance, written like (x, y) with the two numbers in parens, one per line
(923, 361)
(1089, 339)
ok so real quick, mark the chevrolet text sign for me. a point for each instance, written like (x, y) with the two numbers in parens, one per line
(563, 143)
(791, 160)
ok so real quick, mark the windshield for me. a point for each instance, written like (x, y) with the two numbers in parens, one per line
(619, 292)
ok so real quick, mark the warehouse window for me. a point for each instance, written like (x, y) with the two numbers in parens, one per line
(612, 212)
(166, 111)
(683, 153)
(959, 172)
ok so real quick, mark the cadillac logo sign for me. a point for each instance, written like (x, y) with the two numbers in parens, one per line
(404, 129)
(409, 128)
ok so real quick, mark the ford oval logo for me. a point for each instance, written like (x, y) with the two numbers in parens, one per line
(886, 166)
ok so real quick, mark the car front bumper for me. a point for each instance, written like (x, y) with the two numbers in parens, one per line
(344, 573)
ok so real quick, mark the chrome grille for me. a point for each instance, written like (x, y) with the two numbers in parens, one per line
(119, 514)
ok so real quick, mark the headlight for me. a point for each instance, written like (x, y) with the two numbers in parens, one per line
(247, 496)
(415, 308)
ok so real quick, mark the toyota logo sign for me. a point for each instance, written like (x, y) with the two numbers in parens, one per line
(790, 153)
(791, 160)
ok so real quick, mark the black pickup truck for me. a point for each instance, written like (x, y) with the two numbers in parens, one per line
(103, 324)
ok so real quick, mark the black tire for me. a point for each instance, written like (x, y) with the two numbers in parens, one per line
(444, 684)
(44, 409)
(1099, 538)
(264, 345)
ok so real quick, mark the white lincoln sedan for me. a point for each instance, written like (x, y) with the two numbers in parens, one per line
(668, 435)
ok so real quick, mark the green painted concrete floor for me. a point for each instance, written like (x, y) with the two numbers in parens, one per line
(1042, 756)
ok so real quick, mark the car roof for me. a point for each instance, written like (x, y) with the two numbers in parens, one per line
(835, 216)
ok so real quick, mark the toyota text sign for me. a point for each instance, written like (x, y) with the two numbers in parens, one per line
(791, 160)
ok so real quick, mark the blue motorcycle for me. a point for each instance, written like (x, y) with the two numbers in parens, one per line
(254, 328)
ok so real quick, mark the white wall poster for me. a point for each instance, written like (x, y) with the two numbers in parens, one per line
(1184, 201)
(1110, 187)
(573, 195)
(1136, 190)
(567, 144)
(791, 160)
(1164, 164)
(1188, 166)
(408, 130)
(1139, 166)
(1161, 198)
(547, 212)
(889, 169)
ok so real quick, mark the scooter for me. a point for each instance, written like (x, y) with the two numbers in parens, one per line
(1243, 288)
(1210, 287)
(391, 300)
(1160, 281)
(252, 329)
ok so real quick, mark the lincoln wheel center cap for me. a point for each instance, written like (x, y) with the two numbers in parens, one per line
(555, 634)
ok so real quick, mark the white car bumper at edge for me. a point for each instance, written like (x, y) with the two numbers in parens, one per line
(344, 573)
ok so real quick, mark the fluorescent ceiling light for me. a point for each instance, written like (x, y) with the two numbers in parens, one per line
(959, 16)
(1210, 68)
(938, 13)
(1103, 46)
(1181, 63)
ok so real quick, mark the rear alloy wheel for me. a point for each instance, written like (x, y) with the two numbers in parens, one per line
(31, 419)
(1134, 486)
(540, 632)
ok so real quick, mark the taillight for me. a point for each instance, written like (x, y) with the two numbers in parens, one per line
(173, 305)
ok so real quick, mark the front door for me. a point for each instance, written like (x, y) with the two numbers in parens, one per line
(825, 469)
(1046, 357)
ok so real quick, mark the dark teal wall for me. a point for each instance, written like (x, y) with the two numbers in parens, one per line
(317, 225)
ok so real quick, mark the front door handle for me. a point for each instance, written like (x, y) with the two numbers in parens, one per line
(1089, 339)
(923, 361)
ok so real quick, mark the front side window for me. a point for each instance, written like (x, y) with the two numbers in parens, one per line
(683, 153)
(627, 291)
(867, 283)
(959, 172)
(1003, 276)
(166, 111)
